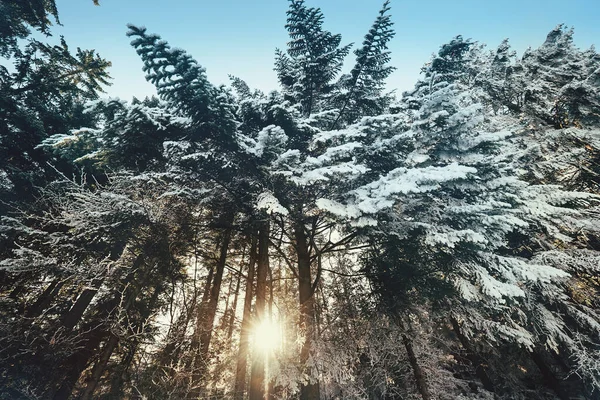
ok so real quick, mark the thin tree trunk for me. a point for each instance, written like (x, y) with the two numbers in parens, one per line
(227, 298)
(309, 391)
(76, 311)
(89, 345)
(100, 367)
(176, 336)
(200, 311)
(78, 363)
(257, 379)
(118, 378)
(242, 360)
(234, 308)
(207, 315)
(417, 370)
(81, 304)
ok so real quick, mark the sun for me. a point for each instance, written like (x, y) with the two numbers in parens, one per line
(267, 336)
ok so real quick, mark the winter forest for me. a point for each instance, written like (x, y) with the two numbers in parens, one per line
(332, 239)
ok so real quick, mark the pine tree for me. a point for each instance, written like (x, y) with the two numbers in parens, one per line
(364, 85)
(64, 81)
(312, 61)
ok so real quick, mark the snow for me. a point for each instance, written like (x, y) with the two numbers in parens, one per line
(332, 152)
(345, 170)
(271, 137)
(377, 195)
(338, 209)
(268, 202)
(451, 238)
(496, 288)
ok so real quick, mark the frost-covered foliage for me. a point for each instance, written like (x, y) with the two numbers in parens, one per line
(126, 135)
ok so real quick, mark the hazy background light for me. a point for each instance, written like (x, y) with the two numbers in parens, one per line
(239, 37)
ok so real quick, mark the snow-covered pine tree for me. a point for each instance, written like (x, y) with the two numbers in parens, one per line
(361, 91)
(125, 136)
(41, 97)
(312, 61)
(456, 197)
(182, 83)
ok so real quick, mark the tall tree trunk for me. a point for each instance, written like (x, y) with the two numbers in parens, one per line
(201, 310)
(208, 313)
(257, 379)
(87, 350)
(242, 360)
(309, 391)
(118, 374)
(175, 337)
(75, 313)
(417, 370)
(78, 363)
(232, 313)
(473, 357)
(100, 367)
(113, 340)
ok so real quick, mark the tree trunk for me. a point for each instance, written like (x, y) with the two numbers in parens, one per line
(208, 313)
(118, 378)
(175, 337)
(473, 357)
(233, 310)
(76, 311)
(257, 379)
(79, 363)
(201, 310)
(81, 359)
(81, 304)
(240, 371)
(309, 391)
(100, 367)
(417, 370)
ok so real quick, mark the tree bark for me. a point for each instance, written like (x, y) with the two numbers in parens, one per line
(81, 359)
(417, 370)
(309, 391)
(79, 363)
(201, 310)
(242, 360)
(257, 379)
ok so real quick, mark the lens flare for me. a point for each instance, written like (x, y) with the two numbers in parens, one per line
(267, 336)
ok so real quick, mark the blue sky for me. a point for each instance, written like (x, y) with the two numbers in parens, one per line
(239, 37)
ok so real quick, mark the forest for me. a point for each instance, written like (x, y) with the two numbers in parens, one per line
(328, 240)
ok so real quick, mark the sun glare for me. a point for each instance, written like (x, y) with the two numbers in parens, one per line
(267, 336)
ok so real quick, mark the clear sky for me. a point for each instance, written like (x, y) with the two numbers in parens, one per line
(239, 37)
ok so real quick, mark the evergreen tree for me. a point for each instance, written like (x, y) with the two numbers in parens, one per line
(363, 87)
(312, 61)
